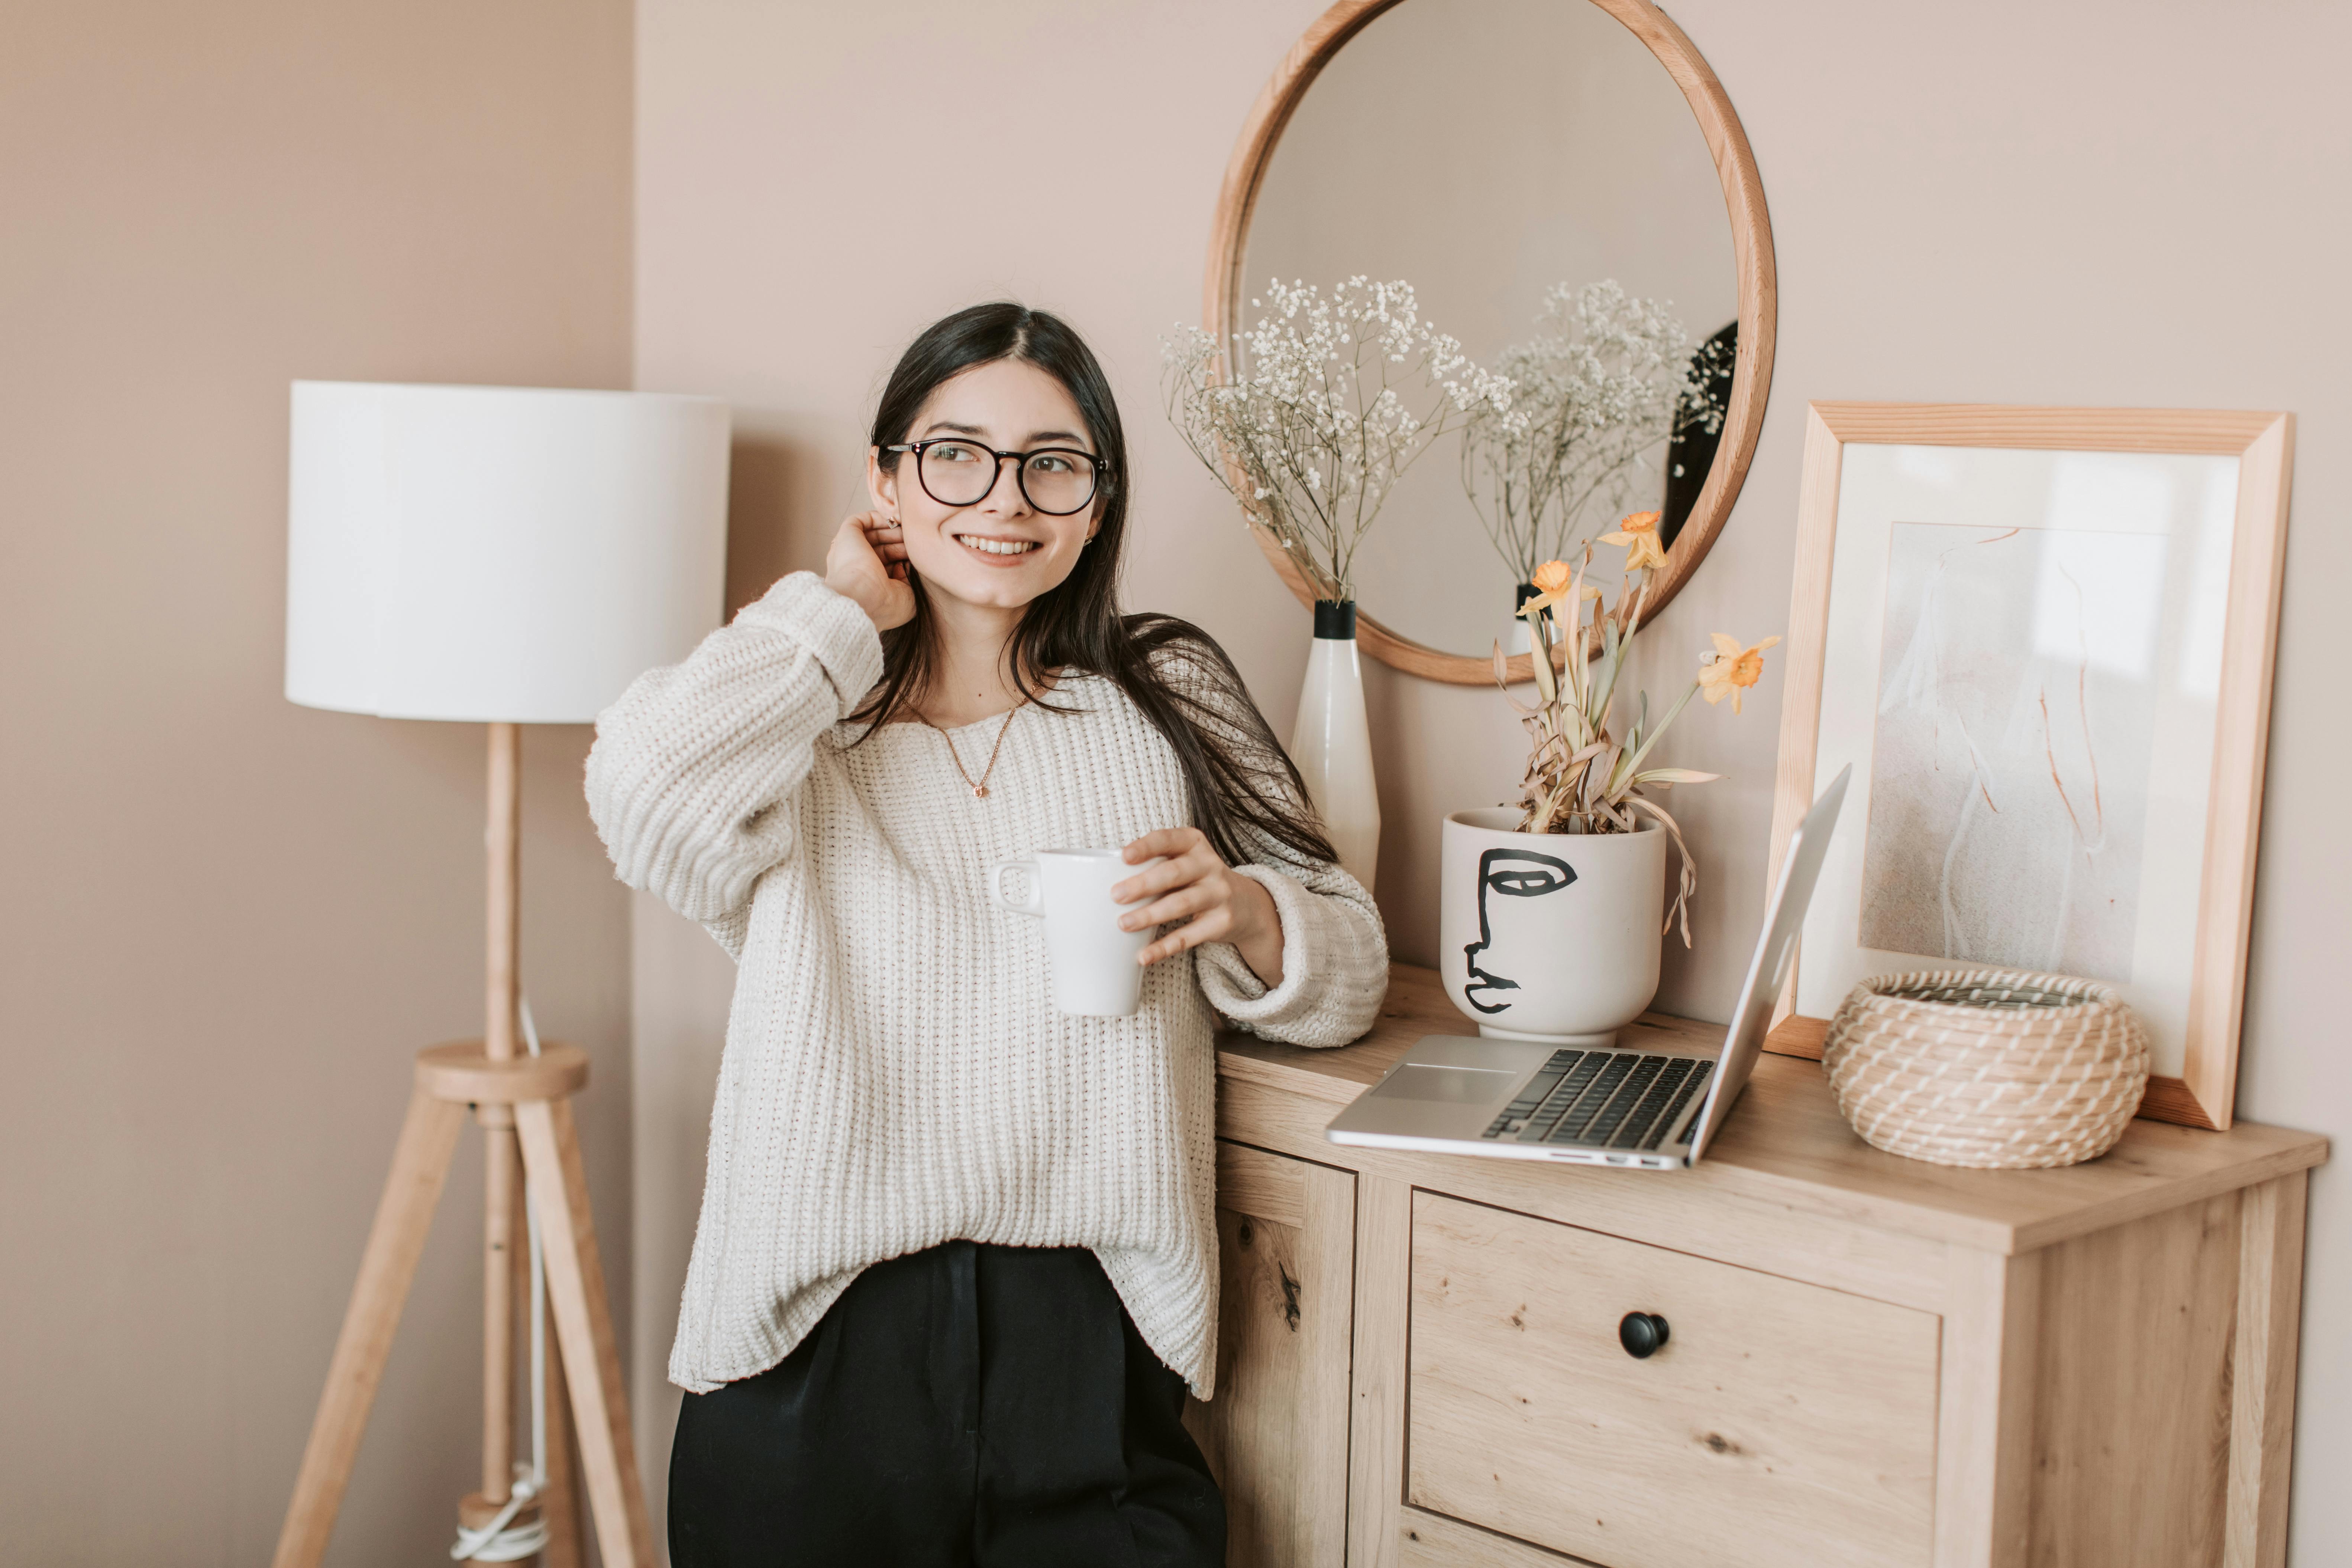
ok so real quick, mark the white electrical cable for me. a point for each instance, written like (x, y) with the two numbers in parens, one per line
(497, 1541)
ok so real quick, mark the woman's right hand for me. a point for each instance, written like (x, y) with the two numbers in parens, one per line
(868, 563)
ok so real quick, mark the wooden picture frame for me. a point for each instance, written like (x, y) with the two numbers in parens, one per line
(2203, 1091)
(1751, 246)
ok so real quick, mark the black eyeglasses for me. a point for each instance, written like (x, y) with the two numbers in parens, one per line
(1056, 480)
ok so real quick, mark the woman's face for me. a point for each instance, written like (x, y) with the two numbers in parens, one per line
(1000, 551)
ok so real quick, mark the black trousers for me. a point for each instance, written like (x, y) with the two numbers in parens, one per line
(967, 1406)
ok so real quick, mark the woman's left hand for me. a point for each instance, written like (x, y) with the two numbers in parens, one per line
(1193, 884)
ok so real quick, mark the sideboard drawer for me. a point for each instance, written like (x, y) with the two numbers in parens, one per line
(1781, 1424)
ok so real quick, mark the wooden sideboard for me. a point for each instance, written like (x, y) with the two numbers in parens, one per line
(1870, 1361)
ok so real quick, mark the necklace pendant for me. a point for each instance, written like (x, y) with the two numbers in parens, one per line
(980, 792)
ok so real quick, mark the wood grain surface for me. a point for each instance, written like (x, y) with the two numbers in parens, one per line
(2261, 1370)
(1376, 1433)
(2098, 1361)
(1785, 1145)
(1432, 1540)
(1276, 1433)
(1782, 1425)
(2131, 1372)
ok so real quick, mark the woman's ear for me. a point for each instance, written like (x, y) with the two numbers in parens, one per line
(881, 484)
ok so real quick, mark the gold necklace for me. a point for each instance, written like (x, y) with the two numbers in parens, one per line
(979, 785)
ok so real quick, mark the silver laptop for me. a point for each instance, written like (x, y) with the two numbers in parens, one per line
(1614, 1105)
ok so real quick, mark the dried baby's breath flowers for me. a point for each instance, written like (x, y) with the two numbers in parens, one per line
(1606, 384)
(1318, 407)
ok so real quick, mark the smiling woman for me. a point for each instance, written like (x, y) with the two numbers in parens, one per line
(982, 601)
(963, 505)
(958, 1258)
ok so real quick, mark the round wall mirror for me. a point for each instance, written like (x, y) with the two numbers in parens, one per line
(1490, 153)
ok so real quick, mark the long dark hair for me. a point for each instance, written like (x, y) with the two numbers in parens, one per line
(1242, 784)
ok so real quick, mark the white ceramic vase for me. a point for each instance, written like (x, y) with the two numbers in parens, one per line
(1518, 639)
(1548, 936)
(1332, 745)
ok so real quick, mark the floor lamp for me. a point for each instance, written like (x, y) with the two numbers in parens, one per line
(503, 556)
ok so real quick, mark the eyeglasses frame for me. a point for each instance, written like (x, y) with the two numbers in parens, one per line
(1101, 466)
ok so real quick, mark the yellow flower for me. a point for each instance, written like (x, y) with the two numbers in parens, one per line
(1731, 669)
(1551, 579)
(1639, 534)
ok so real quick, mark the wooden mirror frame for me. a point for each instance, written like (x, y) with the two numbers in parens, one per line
(1751, 244)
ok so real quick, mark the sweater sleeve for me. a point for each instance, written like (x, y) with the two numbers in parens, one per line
(1335, 960)
(695, 767)
(1335, 956)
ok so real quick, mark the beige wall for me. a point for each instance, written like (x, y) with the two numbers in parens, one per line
(231, 921)
(2103, 202)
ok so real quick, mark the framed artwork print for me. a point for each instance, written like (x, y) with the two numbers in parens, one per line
(2043, 638)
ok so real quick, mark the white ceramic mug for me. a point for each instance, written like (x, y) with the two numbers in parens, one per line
(1092, 961)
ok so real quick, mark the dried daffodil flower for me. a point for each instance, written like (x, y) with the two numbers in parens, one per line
(1551, 580)
(1639, 535)
(1731, 669)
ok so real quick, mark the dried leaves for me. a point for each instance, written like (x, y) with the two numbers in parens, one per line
(1581, 776)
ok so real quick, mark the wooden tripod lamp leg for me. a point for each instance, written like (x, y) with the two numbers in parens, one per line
(560, 1504)
(558, 1501)
(592, 1357)
(420, 1164)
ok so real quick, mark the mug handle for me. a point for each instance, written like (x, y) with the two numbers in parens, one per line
(1034, 905)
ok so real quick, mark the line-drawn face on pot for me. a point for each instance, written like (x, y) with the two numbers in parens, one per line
(1507, 946)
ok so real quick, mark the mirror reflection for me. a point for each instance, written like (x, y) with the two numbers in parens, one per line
(1505, 156)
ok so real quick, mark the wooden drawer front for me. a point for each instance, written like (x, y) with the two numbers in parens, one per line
(1782, 1424)
(1428, 1540)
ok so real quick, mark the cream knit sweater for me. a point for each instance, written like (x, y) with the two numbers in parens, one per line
(894, 1075)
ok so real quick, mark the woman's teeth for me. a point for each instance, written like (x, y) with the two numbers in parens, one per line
(996, 546)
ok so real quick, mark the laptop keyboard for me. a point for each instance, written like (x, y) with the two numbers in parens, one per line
(1603, 1100)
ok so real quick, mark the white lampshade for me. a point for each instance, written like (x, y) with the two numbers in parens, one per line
(497, 553)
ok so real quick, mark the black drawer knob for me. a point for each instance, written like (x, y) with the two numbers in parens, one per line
(1641, 1333)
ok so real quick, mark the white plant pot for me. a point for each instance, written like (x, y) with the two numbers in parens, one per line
(1550, 936)
(1332, 745)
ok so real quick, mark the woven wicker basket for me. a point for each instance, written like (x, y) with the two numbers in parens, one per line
(1987, 1068)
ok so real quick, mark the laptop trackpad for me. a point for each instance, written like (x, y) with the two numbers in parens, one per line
(1457, 1086)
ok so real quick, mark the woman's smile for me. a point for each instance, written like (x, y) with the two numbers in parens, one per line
(997, 549)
